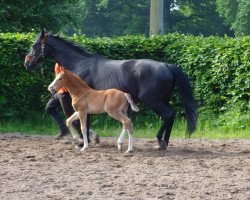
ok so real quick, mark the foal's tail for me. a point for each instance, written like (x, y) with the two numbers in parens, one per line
(131, 102)
(185, 90)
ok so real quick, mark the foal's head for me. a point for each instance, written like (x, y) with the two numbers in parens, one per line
(67, 79)
(59, 82)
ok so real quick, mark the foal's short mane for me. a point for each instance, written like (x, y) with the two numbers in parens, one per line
(72, 75)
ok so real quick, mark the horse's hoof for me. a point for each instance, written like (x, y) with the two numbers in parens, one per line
(162, 145)
(97, 139)
(80, 145)
(77, 145)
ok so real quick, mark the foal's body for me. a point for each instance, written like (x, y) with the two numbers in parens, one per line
(86, 100)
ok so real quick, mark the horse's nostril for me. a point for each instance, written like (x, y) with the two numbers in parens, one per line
(29, 66)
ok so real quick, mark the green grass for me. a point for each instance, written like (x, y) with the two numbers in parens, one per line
(29, 126)
(144, 127)
(178, 131)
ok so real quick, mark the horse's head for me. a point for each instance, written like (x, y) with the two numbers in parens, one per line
(59, 82)
(38, 51)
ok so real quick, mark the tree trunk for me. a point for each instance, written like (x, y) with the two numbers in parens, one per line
(156, 17)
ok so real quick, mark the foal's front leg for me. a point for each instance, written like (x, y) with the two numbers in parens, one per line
(69, 124)
(83, 118)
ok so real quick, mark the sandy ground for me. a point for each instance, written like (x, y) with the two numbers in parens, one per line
(38, 167)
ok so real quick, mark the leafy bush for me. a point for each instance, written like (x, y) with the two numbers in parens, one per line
(20, 90)
(218, 68)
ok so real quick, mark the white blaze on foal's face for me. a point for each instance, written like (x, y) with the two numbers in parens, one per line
(58, 83)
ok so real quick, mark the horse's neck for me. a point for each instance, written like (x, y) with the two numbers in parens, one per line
(65, 55)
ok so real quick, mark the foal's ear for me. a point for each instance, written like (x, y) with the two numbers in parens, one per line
(62, 69)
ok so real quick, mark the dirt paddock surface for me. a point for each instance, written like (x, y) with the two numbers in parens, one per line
(38, 167)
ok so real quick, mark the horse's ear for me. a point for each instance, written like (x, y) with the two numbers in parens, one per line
(43, 35)
(43, 31)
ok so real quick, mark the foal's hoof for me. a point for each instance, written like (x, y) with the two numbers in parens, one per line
(83, 149)
(80, 141)
(129, 151)
(162, 145)
(119, 147)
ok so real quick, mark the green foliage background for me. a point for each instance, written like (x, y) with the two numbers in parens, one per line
(218, 68)
(236, 14)
(122, 17)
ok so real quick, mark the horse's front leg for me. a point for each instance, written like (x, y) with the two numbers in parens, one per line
(83, 118)
(88, 127)
(69, 123)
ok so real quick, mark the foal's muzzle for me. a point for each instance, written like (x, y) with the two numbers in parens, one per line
(52, 90)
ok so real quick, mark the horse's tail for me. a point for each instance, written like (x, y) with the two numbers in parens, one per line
(131, 102)
(185, 90)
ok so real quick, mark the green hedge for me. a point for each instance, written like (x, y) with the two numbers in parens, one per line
(218, 67)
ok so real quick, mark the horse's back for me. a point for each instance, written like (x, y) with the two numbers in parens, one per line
(141, 78)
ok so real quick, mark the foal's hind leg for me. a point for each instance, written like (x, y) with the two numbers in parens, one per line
(130, 135)
(127, 125)
(121, 138)
(83, 118)
(123, 133)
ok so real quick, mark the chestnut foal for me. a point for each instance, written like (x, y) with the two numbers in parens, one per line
(86, 100)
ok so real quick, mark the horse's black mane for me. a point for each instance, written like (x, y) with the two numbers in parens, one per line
(77, 47)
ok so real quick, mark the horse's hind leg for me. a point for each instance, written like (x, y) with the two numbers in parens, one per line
(91, 133)
(169, 121)
(167, 116)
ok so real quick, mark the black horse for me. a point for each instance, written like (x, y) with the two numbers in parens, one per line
(147, 81)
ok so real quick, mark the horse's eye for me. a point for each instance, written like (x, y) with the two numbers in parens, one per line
(59, 78)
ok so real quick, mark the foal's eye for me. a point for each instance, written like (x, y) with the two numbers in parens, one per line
(59, 78)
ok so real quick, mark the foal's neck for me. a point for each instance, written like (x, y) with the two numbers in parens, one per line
(76, 86)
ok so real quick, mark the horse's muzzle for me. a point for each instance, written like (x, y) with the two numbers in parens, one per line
(29, 65)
